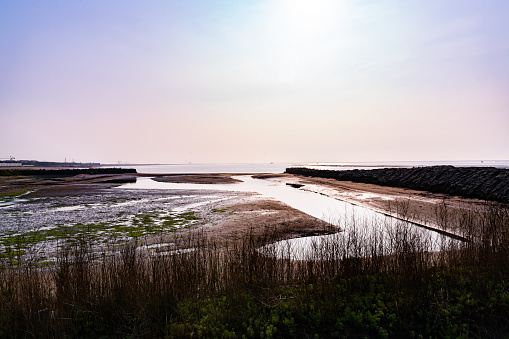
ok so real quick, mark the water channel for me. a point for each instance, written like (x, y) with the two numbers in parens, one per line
(364, 230)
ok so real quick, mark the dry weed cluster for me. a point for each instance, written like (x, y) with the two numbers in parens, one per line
(376, 284)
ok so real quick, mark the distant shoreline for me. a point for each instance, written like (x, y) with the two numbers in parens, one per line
(64, 171)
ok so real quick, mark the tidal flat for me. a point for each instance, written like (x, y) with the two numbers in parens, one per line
(182, 263)
(39, 216)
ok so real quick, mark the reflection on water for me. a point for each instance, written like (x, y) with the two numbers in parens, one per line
(366, 238)
(316, 205)
(8, 202)
(11, 202)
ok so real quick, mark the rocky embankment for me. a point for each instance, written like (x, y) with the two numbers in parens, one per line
(486, 183)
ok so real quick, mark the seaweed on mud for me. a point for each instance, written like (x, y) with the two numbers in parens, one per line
(98, 219)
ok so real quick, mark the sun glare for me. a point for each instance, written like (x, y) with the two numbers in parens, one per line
(311, 17)
(300, 28)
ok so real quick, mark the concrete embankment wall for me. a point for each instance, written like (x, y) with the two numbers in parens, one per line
(486, 183)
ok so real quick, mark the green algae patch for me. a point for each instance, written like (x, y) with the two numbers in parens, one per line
(134, 226)
(12, 194)
(189, 216)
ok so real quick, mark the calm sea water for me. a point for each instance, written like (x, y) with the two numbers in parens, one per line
(371, 165)
(280, 167)
(212, 168)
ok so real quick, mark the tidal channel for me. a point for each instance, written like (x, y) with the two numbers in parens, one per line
(356, 225)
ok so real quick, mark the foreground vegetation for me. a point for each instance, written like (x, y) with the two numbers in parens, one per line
(397, 288)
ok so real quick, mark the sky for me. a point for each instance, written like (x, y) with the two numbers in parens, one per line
(254, 81)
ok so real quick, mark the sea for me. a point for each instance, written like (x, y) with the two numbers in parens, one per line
(281, 167)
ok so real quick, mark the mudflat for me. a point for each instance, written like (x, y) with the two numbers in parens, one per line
(223, 215)
(241, 213)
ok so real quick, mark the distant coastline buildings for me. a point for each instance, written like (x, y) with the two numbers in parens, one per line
(11, 164)
(35, 163)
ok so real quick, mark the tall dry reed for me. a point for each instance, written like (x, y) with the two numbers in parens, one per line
(131, 293)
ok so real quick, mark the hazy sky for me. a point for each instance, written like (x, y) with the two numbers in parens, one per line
(254, 81)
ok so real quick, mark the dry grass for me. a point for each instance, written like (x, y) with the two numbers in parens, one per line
(139, 295)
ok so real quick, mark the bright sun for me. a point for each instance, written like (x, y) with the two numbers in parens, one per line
(308, 17)
(300, 28)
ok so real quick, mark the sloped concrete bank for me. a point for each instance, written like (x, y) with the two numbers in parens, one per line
(487, 183)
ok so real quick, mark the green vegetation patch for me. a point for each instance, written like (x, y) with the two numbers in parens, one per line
(360, 306)
(9, 172)
(12, 194)
(142, 224)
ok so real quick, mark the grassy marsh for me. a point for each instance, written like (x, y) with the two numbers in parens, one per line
(234, 291)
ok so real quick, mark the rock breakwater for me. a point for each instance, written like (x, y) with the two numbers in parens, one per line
(487, 183)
